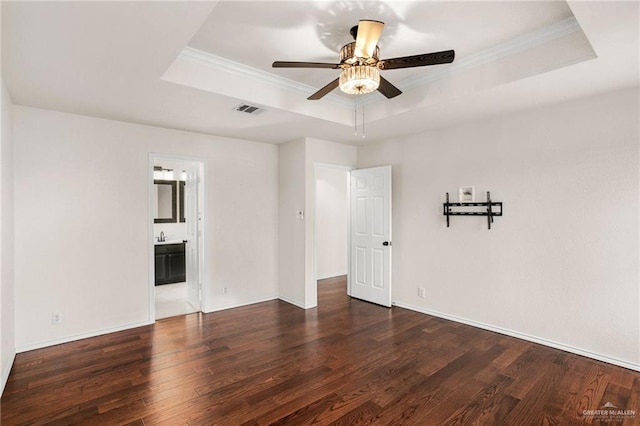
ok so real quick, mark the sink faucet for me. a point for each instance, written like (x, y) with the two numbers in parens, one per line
(161, 238)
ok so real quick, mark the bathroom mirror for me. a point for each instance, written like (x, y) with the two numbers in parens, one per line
(166, 201)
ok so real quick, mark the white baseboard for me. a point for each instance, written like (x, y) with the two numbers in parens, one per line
(80, 336)
(524, 336)
(71, 338)
(237, 305)
(6, 369)
(294, 302)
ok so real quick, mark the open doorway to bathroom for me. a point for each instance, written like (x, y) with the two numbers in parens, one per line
(176, 202)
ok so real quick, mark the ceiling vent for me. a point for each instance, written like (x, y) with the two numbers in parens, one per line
(249, 109)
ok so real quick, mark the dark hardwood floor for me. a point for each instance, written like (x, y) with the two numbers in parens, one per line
(347, 362)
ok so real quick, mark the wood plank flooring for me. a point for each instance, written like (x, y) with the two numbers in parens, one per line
(347, 362)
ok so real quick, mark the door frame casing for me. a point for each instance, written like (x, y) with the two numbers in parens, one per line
(202, 202)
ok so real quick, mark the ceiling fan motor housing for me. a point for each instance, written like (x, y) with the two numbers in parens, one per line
(348, 55)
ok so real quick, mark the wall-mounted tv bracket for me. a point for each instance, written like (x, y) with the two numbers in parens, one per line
(490, 211)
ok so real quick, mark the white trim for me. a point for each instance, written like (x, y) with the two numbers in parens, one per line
(244, 71)
(202, 251)
(80, 336)
(201, 165)
(251, 302)
(6, 370)
(333, 166)
(347, 169)
(349, 230)
(524, 42)
(151, 249)
(523, 336)
(516, 45)
(294, 302)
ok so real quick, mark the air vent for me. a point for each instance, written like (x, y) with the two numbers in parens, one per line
(249, 109)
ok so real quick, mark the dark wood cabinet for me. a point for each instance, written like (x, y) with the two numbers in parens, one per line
(170, 263)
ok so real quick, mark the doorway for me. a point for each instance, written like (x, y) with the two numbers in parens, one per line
(367, 212)
(331, 225)
(175, 227)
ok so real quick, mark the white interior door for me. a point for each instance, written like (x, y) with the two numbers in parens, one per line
(191, 245)
(370, 228)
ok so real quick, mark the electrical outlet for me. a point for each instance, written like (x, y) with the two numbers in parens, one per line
(421, 292)
(56, 318)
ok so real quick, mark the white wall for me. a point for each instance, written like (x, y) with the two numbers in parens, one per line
(82, 222)
(297, 162)
(331, 222)
(7, 286)
(291, 229)
(561, 265)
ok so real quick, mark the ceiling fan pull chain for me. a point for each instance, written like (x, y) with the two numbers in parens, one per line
(363, 133)
(355, 117)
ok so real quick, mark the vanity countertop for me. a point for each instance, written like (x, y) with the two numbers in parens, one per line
(162, 243)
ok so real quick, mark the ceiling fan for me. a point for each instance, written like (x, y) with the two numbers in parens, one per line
(360, 63)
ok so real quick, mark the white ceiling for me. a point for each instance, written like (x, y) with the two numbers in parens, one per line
(186, 65)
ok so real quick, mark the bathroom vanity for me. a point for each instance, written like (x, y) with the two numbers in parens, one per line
(170, 263)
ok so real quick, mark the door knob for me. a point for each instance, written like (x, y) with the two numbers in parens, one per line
(386, 243)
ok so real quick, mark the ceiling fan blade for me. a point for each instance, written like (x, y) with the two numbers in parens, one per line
(286, 64)
(435, 58)
(388, 89)
(368, 35)
(325, 90)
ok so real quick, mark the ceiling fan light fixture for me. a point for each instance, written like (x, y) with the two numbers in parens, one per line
(360, 64)
(359, 79)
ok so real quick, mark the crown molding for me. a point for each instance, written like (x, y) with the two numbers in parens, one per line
(244, 71)
(528, 41)
(533, 39)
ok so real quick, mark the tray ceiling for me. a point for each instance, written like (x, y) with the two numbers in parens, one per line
(134, 61)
